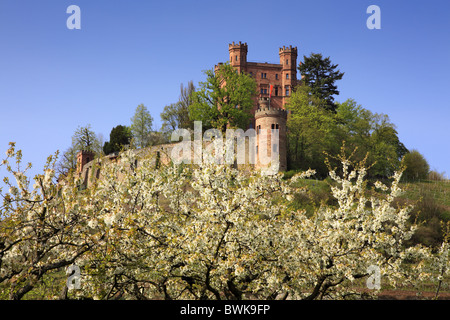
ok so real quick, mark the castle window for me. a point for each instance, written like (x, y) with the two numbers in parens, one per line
(276, 91)
(276, 76)
(287, 75)
(263, 75)
(287, 91)
(273, 126)
(237, 58)
(276, 126)
(287, 61)
(262, 91)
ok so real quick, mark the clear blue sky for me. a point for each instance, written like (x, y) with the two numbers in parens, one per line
(53, 79)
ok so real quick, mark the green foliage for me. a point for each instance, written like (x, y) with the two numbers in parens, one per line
(141, 126)
(119, 137)
(373, 135)
(311, 131)
(225, 98)
(320, 75)
(170, 117)
(417, 167)
(315, 131)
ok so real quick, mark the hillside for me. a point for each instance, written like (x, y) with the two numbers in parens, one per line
(430, 199)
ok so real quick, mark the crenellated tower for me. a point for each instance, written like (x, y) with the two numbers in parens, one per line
(288, 61)
(238, 55)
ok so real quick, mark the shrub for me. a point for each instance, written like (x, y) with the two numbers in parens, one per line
(436, 176)
(417, 167)
(428, 214)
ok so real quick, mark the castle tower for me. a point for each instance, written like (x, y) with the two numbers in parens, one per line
(267, 120)
(238, 55)
(288, 61)
(83, 157)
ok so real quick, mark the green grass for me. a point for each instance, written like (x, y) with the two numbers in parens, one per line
(439, 191)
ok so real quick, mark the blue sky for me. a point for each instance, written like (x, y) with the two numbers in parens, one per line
(53, 79)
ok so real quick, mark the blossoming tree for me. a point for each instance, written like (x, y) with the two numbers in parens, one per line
(204, 231)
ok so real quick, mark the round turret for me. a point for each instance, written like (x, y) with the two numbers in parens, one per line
(269, 122)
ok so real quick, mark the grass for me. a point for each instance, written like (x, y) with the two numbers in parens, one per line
(439, 191)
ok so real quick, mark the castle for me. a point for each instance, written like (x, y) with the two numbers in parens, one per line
(275, 83)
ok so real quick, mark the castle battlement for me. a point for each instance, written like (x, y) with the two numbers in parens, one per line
(239, 45)
(270, 112)
(289, 49)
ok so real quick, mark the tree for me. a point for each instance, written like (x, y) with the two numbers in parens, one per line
(320, 75)
(119, 137)
(312, 129)
(416, 166)
(176, 115)
(68, 161)
(205, 232)
(373, 135)
(224, 99)
(43, 228)
(184, 102)
(141, 126)
(86, 139)
(170, 117)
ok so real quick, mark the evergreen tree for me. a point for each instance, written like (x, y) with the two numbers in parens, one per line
(320, 75)
(119, 137)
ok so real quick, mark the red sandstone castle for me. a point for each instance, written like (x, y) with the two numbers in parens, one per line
(275, 83)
